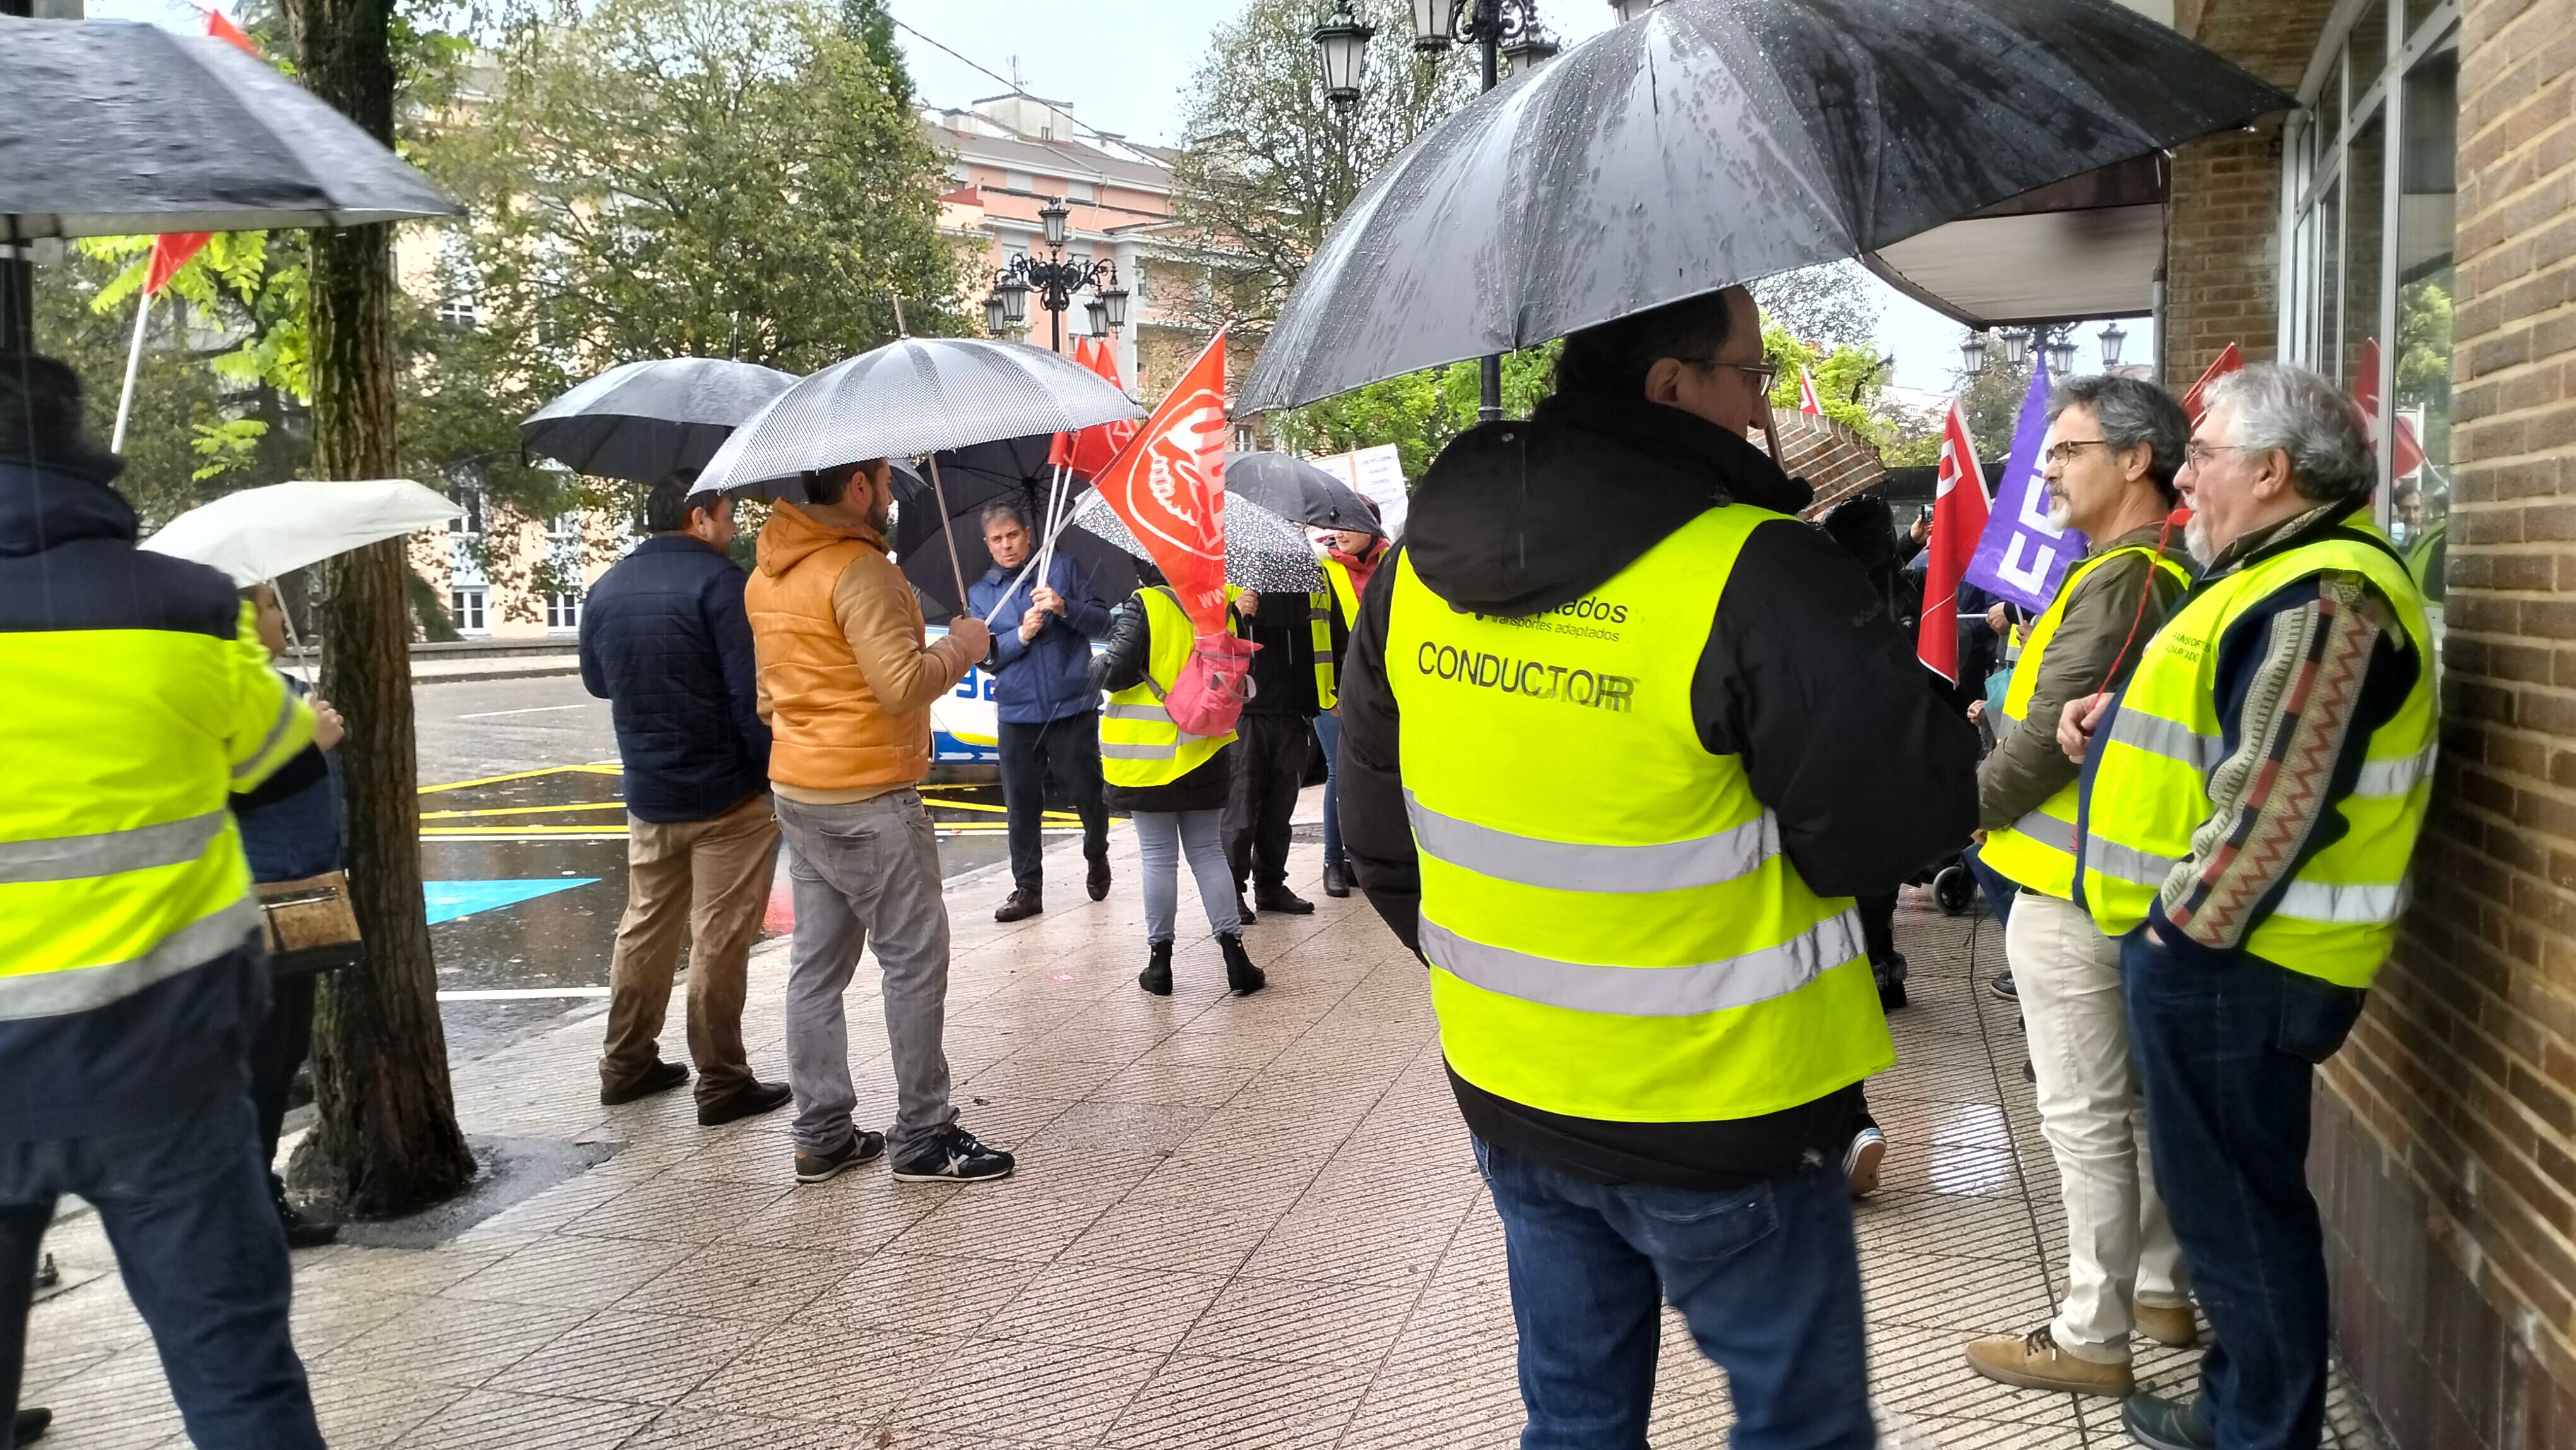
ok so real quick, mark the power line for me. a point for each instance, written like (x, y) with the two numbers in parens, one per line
(989, 73)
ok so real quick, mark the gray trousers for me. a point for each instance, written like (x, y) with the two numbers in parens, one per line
(1163, 840)
(870, 866)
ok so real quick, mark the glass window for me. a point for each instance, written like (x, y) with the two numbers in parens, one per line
(2420, 501)
(2418, 11)
(2365, 225)
(563, 610)
(465, 606)
(2369, 47)
(1019, 181)
(1078, 191)
(2330, 106)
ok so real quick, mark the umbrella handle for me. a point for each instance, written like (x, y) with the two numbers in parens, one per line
(294, 640)
(948, 530)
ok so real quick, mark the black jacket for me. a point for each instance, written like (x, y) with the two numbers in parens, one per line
(1805, 677)
(1121, 666)
(1283, 673)
(665, 641)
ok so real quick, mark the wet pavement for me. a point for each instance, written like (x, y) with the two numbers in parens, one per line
(523, 852)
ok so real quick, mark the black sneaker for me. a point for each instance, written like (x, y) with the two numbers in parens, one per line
(2001, 984)
(2162, 1424)
(1890, 975)
(954, 1157)
(661, 1077)
(1097, 882)
(303, 1232)
(1282, 901)
(863, 1147)
(1018, 906)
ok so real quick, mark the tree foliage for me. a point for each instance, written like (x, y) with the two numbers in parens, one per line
(1830, 305)
(1419, 412)
(1269, 165)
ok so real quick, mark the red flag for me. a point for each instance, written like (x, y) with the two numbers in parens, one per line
(1958, 521)
(2365, 396)
(1808, 402)
(1094, 448)
(2195, 402)
(170, 252)
(221, 27)
(1168, 486)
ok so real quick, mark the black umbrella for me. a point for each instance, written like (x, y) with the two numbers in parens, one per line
(111, 127)
(1299, 492)
(1013, 471)
(1720, 141)
(646, 420)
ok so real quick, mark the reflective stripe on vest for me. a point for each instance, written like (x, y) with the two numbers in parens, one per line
(2037, 852)
(1613, 928)
(1319, 628)
(1139, 743)
(2148, 790)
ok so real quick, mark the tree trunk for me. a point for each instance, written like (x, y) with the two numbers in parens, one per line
(387, 1142)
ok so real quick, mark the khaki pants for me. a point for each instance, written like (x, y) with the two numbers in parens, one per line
(2120, 1248)
(710, 880)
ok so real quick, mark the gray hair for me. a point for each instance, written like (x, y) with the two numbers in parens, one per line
(2279, 405)
(2132, 413)
(997, 512)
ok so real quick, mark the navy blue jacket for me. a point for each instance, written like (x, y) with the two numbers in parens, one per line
(1049, 677)
(290, 823)
(665, 641)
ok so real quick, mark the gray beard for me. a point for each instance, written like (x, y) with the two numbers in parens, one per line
(2195, 537)
(2060, 515)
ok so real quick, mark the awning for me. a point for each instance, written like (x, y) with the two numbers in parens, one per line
(2084, 248)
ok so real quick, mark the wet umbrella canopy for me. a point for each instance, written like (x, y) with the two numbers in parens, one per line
(1720, 141)
(1262, 550)
(644, 420)
(1299, 492)
(113, 127)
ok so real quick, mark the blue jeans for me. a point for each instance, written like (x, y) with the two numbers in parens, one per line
(2227, 1057)
(1767, 1277)
(1328, 732)
(1999, 888)
(186, 1206)
(1163, 840)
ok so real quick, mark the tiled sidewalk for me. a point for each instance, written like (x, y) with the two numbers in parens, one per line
(1249, 1223)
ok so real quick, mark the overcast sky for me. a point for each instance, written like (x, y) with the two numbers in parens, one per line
(1123, 65)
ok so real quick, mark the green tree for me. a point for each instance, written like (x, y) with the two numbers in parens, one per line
(1848, 378)
(1270, 165)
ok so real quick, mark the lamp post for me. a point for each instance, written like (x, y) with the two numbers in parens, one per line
(1055, 279)
(1972, 354)
(1496, 28)
(2016, 342)
(2111, 338)
(2061, 355)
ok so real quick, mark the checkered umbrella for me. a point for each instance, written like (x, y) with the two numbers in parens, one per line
(1263, 551)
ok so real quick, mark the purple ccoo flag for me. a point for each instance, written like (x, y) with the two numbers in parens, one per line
(2020, 557)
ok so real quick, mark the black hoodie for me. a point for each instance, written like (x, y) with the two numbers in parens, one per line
(1842, 733)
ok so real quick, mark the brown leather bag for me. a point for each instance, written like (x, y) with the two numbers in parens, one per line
(312, 926)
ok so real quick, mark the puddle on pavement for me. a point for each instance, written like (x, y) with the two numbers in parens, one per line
(526, 878)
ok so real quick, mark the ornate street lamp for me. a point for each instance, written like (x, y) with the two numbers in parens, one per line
(1972, 354)
(1495, 28)
(2112, 337)
(2061, 356)
(2016, 342)
(1055, 278)
(994, 322)
(1344, 42)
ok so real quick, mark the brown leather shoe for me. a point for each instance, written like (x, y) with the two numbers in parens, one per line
(2171, 1325)
(2034, 1362)
(1018, 906)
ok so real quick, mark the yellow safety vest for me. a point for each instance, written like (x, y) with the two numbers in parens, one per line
(1139, 743)
(1612, 928)
(1328, 668)
(2147, 791)
(120, 865)
(2038, 851)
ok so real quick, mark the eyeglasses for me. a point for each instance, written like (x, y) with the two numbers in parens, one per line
(2198, 454)
(2063, 453)
(1762, 372)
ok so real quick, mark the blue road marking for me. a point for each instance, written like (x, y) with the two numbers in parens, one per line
(449, 900)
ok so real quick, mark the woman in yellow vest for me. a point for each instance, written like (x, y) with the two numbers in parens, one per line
(1350, 556)
(2248, 806)
(1172, 785)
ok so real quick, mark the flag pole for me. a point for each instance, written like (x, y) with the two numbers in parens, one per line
(133, 360)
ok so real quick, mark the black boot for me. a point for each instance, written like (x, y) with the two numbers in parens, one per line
(1337, 882)
(1890, 975)
(1241, 977)
(1157, 976)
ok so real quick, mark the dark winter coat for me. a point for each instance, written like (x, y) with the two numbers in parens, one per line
(1049, 677)
(665, 641)
(1804, 676)
(1122, 667)
(1283, 673)
(290, 822)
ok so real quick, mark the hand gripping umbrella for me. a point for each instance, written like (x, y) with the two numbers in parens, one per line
(1263, 552)
(1713, 142)
(647, 420)
(913, 396)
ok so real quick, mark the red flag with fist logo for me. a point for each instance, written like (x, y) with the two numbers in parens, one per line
(1168, 486)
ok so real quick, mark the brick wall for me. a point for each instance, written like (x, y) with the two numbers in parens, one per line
(2445, 1158)
(2451, 1169)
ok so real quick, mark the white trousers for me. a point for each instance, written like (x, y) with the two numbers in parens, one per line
(2120, 1249)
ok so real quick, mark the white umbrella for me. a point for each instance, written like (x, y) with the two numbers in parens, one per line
(259, 533)
(913, 396)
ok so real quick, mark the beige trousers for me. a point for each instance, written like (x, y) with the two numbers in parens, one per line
(706, 883)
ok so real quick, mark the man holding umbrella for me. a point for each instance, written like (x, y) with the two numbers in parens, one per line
(846, 684)
(1621, 739)
(1044, 702)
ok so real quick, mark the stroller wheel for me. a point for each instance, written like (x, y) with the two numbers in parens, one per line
(1954, 890)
